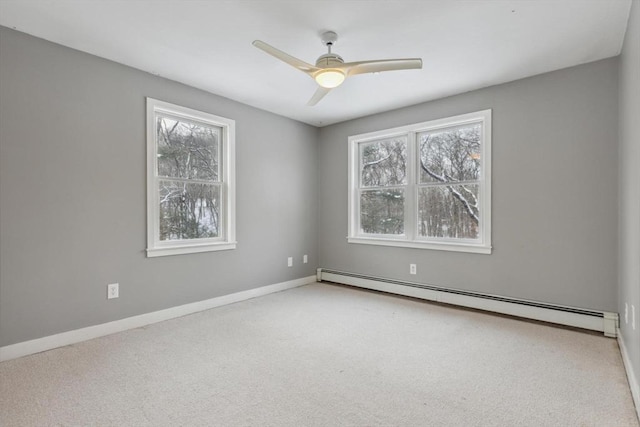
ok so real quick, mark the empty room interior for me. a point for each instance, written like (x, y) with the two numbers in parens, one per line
(319, 213)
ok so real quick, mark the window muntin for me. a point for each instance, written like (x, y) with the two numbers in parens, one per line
(425, 185)
(191, 189)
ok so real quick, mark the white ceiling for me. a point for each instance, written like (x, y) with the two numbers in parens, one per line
(464, 45)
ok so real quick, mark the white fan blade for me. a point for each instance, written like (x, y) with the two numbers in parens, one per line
(362, 67)
(320, 93)
(285, 57)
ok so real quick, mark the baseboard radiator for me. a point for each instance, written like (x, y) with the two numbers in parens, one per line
(594, 320)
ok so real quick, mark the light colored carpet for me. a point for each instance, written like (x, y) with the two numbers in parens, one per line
(325, 355)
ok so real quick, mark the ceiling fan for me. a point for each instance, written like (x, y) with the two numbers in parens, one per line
(331, 70)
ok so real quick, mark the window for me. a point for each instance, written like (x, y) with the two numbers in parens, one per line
(426, 185)
(190, 180)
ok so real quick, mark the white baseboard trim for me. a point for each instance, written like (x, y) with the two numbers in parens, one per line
(631, 376)
(605, 322)
(38, 345)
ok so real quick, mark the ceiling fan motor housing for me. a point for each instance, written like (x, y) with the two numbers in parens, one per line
(329, 60)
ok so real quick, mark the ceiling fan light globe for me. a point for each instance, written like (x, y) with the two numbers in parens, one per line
(330, 78)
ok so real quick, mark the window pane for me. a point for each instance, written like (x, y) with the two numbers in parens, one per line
(189, 211)
(450, 154)
(384, 163)
(187, 150)
(382, 211)
(449, 211)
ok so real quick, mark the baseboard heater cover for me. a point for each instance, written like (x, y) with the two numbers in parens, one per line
(594, 320)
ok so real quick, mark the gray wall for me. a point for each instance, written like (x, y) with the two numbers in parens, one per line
(72, 194)
(554, 192)
(629, 291)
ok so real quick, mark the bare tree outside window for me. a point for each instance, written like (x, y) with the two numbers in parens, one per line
(383, 177)
(382, 211)
(448, 194)
(189, 187)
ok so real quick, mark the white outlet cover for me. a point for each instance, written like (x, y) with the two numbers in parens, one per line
(626, 313)
(412, 269)
(305, 259)
(290, 262)
(113, 290)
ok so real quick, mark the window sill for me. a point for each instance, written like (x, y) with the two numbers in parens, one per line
(444, 246)
(189, 249)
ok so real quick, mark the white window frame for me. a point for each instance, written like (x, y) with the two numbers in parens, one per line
(227, 238)
(411, 238)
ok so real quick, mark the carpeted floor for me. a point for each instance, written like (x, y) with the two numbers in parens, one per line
(325, 355)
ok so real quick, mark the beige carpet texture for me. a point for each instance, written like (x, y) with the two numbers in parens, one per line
(325, 355)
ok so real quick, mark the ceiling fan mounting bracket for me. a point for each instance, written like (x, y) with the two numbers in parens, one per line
(329, 38)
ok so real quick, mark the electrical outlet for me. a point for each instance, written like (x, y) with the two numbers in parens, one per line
(305, 259)
(290, 262)
(412, 269)
(626, 313)
(113, 290)
(633, 317)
